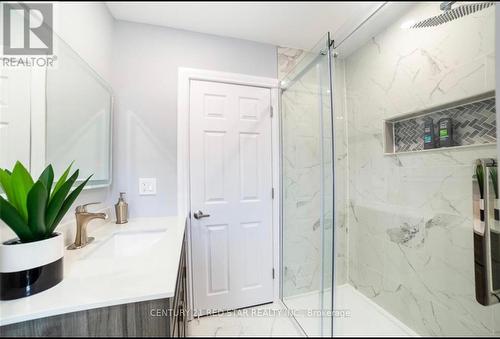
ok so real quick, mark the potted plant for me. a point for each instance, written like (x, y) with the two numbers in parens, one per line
(33, 262)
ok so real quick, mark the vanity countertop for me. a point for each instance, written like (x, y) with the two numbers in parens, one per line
(128, 263)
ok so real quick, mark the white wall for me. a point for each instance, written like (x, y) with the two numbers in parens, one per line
(144, 77)
(88, 28)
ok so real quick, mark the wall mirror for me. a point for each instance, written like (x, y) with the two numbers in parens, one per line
(57, 115)
(78, 118)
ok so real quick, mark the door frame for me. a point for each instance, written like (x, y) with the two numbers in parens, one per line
(185, 75)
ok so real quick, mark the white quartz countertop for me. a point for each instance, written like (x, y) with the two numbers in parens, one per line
(127, 263)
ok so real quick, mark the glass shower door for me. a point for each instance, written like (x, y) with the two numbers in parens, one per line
(307, 191)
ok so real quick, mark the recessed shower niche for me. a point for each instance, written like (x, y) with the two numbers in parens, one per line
(473, 123)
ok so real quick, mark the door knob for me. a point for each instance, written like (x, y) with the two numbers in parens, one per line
(199, 214)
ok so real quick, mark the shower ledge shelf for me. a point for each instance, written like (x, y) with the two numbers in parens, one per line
(442, 149)
(389, 133)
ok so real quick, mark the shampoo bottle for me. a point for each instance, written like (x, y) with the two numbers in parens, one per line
(445, 132)
(429, 134)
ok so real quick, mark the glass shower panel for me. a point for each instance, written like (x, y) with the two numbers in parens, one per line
(307, 196)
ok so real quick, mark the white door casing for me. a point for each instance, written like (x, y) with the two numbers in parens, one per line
(230, 180)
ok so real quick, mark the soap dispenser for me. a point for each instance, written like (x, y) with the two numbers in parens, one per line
(121, 208)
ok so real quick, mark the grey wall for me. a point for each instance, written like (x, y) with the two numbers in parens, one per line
(88, 28)
(144, 77)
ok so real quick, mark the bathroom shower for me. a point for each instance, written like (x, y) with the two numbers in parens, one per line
(377, 222)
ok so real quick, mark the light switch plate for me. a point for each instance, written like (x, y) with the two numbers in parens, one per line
(147, 186)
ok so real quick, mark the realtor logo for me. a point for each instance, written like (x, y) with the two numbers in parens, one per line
(27, 29)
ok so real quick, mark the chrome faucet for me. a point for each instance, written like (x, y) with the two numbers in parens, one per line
(83, 217)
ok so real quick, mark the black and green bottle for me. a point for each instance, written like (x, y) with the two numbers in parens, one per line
(429, 140)
(445, 128)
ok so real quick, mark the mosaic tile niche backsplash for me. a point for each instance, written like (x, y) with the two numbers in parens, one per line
(473, 123)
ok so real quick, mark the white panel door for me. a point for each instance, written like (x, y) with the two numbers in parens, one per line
(231, 181)
(14, 117)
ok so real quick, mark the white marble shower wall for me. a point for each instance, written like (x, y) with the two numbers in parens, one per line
(302, 184)
(410, 216)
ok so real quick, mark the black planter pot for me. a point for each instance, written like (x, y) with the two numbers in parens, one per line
(27, 269)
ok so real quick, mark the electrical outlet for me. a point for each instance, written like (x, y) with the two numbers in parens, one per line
(147, 186)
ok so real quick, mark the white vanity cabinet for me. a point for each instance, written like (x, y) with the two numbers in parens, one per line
(106, 293)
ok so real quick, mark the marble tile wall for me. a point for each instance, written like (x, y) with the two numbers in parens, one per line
(288, 58)
(410, 215)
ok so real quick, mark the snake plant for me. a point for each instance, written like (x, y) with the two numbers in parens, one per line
(34, 209)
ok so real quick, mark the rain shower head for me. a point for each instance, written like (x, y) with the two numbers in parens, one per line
(450, 14)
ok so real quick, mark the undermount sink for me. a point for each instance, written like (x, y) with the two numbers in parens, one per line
(126, 244)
